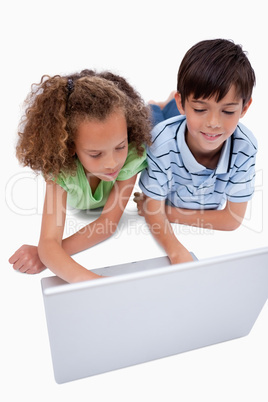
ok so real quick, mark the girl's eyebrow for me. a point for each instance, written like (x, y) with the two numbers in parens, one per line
(121, 143)
(97, 150)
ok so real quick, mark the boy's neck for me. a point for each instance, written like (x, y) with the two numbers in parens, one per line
(209, 159)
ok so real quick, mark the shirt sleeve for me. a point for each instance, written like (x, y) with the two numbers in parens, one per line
(133, 165)
(154, 181)
(241, 185)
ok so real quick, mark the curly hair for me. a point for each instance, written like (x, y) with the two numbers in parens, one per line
(57, 105)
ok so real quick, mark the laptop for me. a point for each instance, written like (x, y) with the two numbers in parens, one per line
(150, 309)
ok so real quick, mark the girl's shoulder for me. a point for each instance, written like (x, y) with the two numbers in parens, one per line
(133, 164)
(68, 180)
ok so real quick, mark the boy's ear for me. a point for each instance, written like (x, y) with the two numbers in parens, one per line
(177, 97)
(245, 108)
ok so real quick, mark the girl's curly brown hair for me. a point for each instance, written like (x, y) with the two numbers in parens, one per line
(57, 105)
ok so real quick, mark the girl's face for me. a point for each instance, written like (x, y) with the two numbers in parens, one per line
(210, 123)
(102, 146)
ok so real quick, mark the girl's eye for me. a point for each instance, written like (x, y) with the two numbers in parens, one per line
(120, 148)
(95, 155)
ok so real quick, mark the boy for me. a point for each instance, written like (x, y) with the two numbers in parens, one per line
(201, 164)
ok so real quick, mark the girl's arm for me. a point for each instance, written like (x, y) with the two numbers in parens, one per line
(26, 258)
(162, 231)
(50, 249)
(103, 227)
(229, 218)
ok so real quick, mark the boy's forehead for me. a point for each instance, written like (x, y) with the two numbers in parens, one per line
(231, 97)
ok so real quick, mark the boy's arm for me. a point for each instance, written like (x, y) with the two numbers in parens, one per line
(229, 218)
(162, 231)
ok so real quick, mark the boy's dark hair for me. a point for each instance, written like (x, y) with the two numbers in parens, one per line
(211, 67)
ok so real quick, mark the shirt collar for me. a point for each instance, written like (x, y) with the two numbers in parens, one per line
(189, 160)
(223, 164)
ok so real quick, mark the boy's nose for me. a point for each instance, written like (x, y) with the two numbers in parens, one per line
(213, 121)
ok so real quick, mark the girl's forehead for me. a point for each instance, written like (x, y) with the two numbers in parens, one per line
(95, 133)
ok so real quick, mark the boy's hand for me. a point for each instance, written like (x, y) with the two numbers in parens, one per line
(26, 260)
(139, 198)
(182, 255)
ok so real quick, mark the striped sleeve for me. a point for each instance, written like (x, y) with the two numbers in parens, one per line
(153, 180)
(240, 187)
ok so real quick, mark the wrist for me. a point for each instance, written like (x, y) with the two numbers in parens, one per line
(86, 276)
(180, 255)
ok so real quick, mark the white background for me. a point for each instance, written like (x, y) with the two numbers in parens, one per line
(145, 42)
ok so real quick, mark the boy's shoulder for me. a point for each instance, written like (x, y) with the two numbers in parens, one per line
(166, 131)
(244, 138)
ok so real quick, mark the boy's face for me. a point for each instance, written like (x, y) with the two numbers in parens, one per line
(210, 123)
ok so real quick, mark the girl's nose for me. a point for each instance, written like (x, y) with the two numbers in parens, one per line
(110, 161)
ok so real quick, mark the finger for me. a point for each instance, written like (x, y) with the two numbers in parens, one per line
(13, 258)
(31, 271)
(18, 265)
(35, 270)
(17, 255)
(138, 197)
(23, 269)
(21, 265)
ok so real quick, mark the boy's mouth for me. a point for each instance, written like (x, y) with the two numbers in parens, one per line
(210, 136)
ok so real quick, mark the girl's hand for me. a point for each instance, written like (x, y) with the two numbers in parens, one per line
(26, 260)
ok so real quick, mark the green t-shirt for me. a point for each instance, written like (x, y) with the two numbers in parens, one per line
(79, 192)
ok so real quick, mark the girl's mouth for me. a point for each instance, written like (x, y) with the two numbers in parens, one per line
(112, 174)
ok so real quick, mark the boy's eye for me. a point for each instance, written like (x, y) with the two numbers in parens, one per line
(228, 112)
(199, 110)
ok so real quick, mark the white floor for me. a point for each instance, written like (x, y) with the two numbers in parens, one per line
(145, 42)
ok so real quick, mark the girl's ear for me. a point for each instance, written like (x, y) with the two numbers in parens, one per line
(72, 150)
(245, 108)
(177, 97)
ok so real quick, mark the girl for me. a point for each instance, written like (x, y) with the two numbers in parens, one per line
(86, 134)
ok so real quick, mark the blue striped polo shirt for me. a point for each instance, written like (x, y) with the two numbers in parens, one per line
(174, 175)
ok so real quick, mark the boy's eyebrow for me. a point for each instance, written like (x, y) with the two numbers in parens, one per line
(204, 102)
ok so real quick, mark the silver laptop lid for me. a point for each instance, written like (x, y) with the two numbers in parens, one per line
(115, 322)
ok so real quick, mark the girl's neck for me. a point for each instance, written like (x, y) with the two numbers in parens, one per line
(93, 182)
